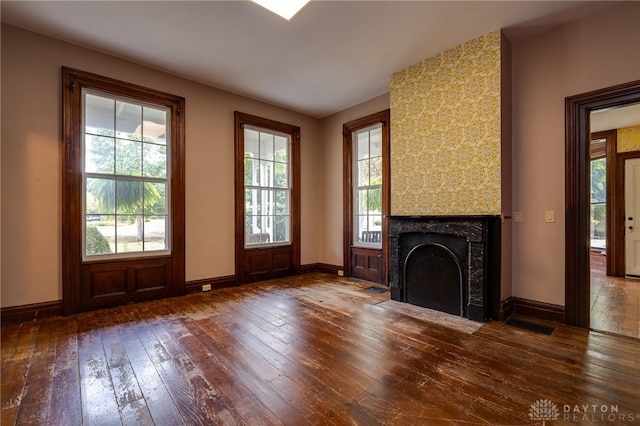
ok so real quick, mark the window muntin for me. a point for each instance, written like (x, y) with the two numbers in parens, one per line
(267, 184)
(125, 177)
(367, 186)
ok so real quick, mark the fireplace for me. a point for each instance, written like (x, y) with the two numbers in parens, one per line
(450, 264)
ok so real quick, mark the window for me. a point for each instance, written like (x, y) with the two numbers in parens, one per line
(598, 194)
(123, 192)
(367, 186)
(267, 198)
(125, 179)
(267, 187)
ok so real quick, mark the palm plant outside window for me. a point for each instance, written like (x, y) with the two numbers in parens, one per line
(126, 178)
(267, 187)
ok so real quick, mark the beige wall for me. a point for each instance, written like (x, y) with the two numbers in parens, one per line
(31, 120)
(598, 51)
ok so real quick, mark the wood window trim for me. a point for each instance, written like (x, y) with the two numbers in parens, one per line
(347, 157)
(240, 120)
(73, 81)
(577, 192)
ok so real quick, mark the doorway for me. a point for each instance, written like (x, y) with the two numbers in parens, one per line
(614, 198)
(577, 226)
(366, 197)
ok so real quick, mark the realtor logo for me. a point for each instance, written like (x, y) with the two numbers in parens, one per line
(544, 410)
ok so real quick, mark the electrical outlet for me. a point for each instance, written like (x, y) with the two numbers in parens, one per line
(549, 216)
(206, 287)
(517, 216)
(340, 273)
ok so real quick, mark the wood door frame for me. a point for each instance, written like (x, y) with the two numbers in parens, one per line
(347, 166)
(621, 157)
(612, 202)
(240, 120)
(73, 81)
(577, 197)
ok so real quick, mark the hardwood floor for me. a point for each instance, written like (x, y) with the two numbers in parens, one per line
(313, 349)
(615, 302)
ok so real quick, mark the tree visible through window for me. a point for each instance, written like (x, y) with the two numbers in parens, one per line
(125, 177)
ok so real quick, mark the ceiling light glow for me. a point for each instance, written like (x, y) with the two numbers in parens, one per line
(285, 8)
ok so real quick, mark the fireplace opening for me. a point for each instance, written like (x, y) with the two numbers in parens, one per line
(433, 279)
(435, 270)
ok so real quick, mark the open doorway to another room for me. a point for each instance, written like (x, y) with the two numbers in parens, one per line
(614, 175)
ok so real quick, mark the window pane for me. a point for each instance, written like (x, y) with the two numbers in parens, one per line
(249, 173)
(281, 233)
(100, 196)
(129, 232)
(374, 200)
(599, 180)
(281, 203)
(96, 241)
(375, 171)
(155, 160)
(266, 146)
(266, 173)
(375, 144)
(281, 175)
(363, 173)
(99, 154)
(598, 225)
(281, 148)
(99, 115)
(251, 145)
(128, 121)
(360, 228)
(362, 145)
(155, 201)
(154, 125)
(267, 202)
(360, 201)
(155, 232)
(129, 196)
(128, 158)
(252, 202)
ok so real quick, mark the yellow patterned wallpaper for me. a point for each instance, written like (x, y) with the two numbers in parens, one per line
(445, 132)
(629, 139)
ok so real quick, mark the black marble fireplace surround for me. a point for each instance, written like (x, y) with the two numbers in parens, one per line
(447, 263)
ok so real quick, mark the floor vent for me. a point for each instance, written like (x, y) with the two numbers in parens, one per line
(374, 289)
(525, 325)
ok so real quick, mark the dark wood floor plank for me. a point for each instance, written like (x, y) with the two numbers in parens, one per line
(157, 398)
(128, 395)
(16, 364)
(36, 396)
(99, 406)
(66, 405)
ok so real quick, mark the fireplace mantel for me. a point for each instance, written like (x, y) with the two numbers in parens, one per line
(483, 274)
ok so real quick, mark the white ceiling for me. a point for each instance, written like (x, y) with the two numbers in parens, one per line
(615, 118)
(333, 55)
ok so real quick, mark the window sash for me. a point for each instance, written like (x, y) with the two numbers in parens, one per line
(125, 183)
(267, 187)
(367, 187)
